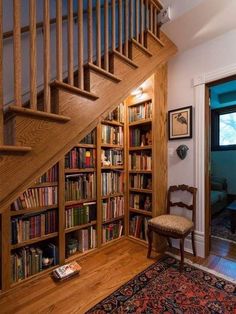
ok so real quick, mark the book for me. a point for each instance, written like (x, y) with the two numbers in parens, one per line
(66, 271)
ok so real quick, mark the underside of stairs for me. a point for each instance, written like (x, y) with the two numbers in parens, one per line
(36, 140)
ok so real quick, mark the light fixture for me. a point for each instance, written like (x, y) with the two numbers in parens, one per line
(137, 92)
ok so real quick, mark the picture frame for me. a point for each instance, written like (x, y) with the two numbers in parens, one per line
(180, 123)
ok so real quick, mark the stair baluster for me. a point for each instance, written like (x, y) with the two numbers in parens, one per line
(98, 32)
(90, 31)
(46, 59)
(106, 42)
(113, 25)
(120, 27)
(70, 36)
(1, 76)
(59, 55)
(33, 55)
(80, 45)
(126, 28)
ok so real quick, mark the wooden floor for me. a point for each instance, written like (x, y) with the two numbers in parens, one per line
(223, 248)
(102, 272)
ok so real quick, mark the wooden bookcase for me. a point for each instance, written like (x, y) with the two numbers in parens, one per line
(118, 152)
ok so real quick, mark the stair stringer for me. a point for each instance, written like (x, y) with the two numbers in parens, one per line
(18, 172)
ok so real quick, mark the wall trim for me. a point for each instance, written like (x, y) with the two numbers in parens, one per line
(199, 84)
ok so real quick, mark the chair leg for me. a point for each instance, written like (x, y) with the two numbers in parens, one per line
(150, 237)
(182, 254)
(169, 242)
(193, 244)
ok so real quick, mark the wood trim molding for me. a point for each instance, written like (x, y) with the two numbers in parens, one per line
(199, 84)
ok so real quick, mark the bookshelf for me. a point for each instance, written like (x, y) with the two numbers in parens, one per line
(101, 191)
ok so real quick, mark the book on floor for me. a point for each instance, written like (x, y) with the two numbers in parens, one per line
(66, 271)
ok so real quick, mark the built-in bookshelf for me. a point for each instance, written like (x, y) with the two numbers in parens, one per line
(102, 190)
(140, 162)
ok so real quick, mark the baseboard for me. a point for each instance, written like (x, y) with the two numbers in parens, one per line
(199, 242)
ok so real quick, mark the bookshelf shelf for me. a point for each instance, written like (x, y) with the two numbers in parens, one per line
(112, 241)
(140, 211)
(28, 211)
(79, 255)
(113, 219)
(140, 171)
(112, 122)
(112, 168)
(81, 201)
(86, 145)
(44, 184)
(134, 148)
(34, 240)
(105, 145)
(135, 104)
(112, 195)
(140, 122)
(141, 241)
(78, 227)
(140, 190)
(77, 170)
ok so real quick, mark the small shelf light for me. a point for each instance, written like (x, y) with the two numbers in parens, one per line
(138, 92)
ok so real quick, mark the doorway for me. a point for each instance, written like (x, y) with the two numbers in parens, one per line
(220, 180)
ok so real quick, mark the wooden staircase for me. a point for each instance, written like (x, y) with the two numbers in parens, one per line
(36, 135)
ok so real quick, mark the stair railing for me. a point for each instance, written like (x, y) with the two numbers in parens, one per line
(85, 34)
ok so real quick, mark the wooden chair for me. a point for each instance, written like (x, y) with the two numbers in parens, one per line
(174, 226)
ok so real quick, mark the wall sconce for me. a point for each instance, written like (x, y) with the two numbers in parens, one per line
(138, 92)
(182, 151)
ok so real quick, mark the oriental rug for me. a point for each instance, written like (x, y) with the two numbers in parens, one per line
(161, 288)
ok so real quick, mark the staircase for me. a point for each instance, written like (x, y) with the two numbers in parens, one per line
(119, 45)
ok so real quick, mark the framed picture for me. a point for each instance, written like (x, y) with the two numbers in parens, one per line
(180, 123)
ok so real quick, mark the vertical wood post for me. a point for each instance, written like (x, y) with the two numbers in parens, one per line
(126, 27)
(1, 76)
(5, 250)
(80, 45)
(155, 21)
(70, 36)
(141, 23)
(59, 39)
(120, 27)
(106, 39)
(17, 51)
(137, 20)
(146, 15)
(151, 17)
(99, 193)
(61, 210)
(33, 55)
(90, 31)
(98, 32)
(46, 52)
(113, 24)
(131, 12)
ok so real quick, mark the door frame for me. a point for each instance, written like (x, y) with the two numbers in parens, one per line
(202, 150)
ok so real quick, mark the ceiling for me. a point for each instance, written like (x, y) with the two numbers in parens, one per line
(223, 95)
(196, 21)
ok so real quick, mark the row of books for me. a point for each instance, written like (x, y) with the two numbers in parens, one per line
(140, 111)
(80, 158)
(118, 114)
(81, 241)
(141, 181)
(30, 227)
(28, 261)
(138, 226)
(141, 161)
(80, 186)
(50, 176)
(140, 137)
(90, 138)
(112, 182)
(114, 157)
(37, 197)
(113, 207)
(112, 231)
(112, 135)
(80, 214)
(140, 201)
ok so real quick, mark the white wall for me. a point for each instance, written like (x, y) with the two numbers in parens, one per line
(210, 56)
(224, 165)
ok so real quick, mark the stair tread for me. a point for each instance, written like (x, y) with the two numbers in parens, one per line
(141, 47)
(12, 148)
(124, 58)
(35, 113)
(75, 90)
(155, 37)
(103, 72)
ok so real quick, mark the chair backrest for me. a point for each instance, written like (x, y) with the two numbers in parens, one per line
(183, 188)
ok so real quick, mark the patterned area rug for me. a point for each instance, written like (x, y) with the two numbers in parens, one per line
(161, 288)
(220, 227)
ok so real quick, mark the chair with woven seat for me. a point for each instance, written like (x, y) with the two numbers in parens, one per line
(174, 226)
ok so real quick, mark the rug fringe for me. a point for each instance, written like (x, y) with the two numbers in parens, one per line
(211, 271)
